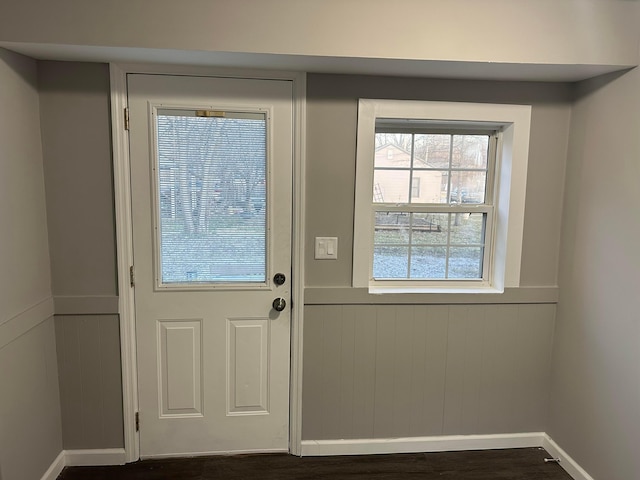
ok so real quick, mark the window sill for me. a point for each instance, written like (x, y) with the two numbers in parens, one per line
(422, 290)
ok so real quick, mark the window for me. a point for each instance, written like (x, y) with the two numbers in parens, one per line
(415, 186)
(210, 188)
(439, 233)
(439, 195)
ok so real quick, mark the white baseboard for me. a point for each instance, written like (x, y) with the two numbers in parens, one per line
(450, 443)
(447, 443)
(55, 469)
(76, 458)
(566, 462)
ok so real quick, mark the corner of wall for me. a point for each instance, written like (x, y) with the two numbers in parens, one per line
(31, 436)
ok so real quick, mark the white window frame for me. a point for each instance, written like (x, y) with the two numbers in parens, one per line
(512, 122)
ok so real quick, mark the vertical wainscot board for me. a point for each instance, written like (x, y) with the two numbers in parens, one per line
(387, 371)
(88, 349)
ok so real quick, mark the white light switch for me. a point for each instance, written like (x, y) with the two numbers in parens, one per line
(326, 248)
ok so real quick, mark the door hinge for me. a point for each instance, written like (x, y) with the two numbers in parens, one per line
(137, 421)
(126, 118)
(132, 276)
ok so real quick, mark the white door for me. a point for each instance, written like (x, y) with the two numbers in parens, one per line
(211, 175)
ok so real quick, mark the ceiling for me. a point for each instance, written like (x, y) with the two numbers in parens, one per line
(319, 64)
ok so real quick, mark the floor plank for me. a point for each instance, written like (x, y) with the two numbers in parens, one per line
(510, 464)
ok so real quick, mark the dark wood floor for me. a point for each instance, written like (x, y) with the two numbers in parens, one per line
(513, 464)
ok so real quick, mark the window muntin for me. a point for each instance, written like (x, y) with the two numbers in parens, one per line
(423, 187)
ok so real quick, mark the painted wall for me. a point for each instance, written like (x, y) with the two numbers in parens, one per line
(332, 107)
(527, 31)
(421, 370)
(596, 386)
(389, 371)
(30, 424)
(84, 276)
(24, 257)
(74, 113)
(90, 381)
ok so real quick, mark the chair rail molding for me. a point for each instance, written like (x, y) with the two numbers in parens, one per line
(18, 325)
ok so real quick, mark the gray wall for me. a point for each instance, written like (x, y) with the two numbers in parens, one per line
(77, 167)
(332, 103)
(30, 424)
(90, 381)
(388, 371)
(24, 256)
(595, 396)
(74, 112)
(474, 368)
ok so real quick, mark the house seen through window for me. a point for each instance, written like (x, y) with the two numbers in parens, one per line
(432, 202)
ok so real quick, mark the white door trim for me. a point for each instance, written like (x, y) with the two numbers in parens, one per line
(124, 239)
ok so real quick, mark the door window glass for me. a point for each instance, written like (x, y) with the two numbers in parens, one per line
(211, 189)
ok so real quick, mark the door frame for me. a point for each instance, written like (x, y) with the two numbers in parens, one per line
(124, 239)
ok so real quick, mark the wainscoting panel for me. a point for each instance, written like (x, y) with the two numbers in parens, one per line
(30, 428)
(88, 348)
(388, 371)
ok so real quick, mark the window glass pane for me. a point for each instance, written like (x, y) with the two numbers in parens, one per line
(468, 187)
(393, 150)
(432, 151)
(467, 228)
(212, 194)
(429, 186)
(465, 262)
(443, 245)
(428, 263)
(430, 228)
(391, 228)
(415, 187)
(470, 151)
(391, 186)
(390, 262)
(446, 169)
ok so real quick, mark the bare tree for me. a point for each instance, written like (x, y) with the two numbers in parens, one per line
(209, 154)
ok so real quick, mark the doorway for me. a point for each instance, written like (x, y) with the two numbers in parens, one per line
(211, 202)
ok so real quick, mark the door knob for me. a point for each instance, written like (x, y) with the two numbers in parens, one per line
(279, 304)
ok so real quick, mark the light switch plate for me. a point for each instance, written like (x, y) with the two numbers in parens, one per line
(326, 248)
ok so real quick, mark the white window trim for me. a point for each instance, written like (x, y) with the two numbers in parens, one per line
(513, 122)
